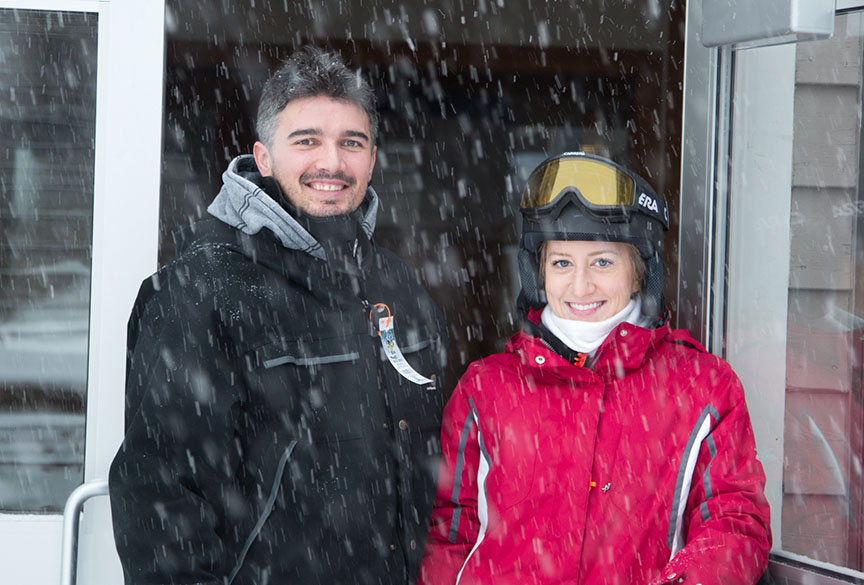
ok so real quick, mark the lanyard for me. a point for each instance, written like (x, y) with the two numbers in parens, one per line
(387, 334)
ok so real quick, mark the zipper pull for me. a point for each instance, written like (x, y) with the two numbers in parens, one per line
(367, 309)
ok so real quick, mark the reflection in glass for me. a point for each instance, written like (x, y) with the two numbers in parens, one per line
(471, 96)
(47, 132)
(823, 490)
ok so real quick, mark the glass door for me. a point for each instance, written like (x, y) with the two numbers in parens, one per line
(789, 256)
(46, 231)
(471, 96)
(78, 230)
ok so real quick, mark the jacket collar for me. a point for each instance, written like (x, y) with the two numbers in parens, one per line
(243, 203)
(624, 348)
(328, 281)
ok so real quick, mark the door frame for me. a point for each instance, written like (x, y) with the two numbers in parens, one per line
(708, 225)
(129, 102)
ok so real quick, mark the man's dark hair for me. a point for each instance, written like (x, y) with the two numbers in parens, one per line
(312, 72)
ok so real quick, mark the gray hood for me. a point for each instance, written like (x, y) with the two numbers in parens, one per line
(243, 204)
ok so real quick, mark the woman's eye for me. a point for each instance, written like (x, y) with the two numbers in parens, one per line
(603, 262)
(561, 263)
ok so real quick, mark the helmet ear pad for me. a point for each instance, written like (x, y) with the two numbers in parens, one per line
(653, 303)
(533, 293)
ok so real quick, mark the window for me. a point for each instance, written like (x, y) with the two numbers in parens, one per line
(795, 291)
(47, 133)
(470, 100)
(824, 415)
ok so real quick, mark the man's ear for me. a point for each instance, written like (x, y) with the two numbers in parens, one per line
(262, 159)
(372, 166)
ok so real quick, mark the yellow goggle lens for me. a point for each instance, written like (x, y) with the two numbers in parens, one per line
(601, 185)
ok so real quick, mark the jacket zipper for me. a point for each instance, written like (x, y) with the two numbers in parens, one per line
(589, 363)
(367, 307)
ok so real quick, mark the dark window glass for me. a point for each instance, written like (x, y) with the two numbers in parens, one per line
(472, 96)
(47, 131)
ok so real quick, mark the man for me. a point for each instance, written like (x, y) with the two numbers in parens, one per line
(282, 415)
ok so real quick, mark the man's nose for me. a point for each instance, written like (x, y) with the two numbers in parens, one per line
(329, 157)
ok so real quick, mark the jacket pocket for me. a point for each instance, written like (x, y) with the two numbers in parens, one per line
(310, 362)
(314, 389)
(509, 443)
(265, 512)
(420, 404)
(425, 356)
(427, 353)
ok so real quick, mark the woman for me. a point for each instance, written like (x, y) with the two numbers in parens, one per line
(602, 447)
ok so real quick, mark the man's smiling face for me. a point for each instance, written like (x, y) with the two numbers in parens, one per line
(322, 155)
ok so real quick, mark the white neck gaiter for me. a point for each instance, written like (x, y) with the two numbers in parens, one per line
(586, 336)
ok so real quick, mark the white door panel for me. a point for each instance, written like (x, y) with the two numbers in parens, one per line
(124, 223)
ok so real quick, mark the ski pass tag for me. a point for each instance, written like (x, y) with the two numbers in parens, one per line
(394, 354)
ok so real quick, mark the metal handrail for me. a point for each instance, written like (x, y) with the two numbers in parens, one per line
(71, 520)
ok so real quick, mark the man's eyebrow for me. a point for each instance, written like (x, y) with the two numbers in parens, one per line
(355, 134)
(306, 132)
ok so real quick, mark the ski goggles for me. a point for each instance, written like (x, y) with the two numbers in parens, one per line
(605, 189)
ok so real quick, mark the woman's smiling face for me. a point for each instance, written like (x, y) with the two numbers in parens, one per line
(588, 281)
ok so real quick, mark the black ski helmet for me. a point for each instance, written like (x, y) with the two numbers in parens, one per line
(579, 196)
